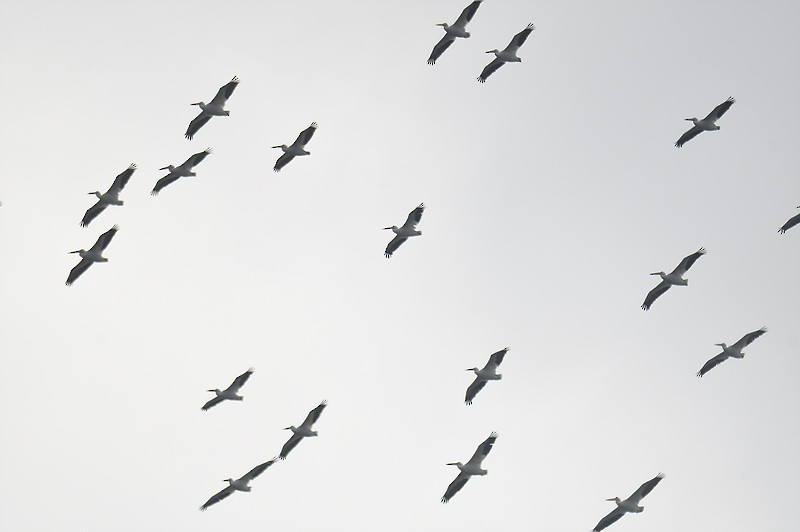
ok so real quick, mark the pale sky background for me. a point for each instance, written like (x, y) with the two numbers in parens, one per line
(552, 191)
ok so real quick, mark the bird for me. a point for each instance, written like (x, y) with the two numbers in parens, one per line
(734, 351)
(673, 278)
(508, 55)
(403, 233)
(487, 373)
(791, 222)
(95, 254)
(631, 504)
(111, 197)
(706, 124)
(473, 467)
(240, 484)
(183, 170)
(214, 108)
(296, 149)
(303, 431)
(230, 392)
(458, 29)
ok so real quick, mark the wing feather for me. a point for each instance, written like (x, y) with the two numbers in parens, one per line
(78, 270)
(290, 444)
(712, 363)
(654, 294)
(393, 245)
(440, 47)
(163, 182)
(689, 135)
(473, 389)
(720, 110)
(455, 487)
(217, 497)
(195, 125)
(612, 517)
(92, 213)
(791, 222)
(282, 161)
(490, 69)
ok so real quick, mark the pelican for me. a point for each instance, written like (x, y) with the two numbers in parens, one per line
(296, 149)
(482, 376)
(631, 504)
(240, 484)
(508, 55)
(303, 431)
(673, 278)
(473, 467)
(215, 108)
(183, 170)
(95, 254)
(458, 29)
(231, 391)
(791, 222)
(409, 229)
(734, 351)
(111, 197)
(706, 124)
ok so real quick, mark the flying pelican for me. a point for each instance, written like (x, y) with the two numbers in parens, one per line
(673, 278)
(706, 124)
(240, 484)
(95, 254)
(296, 149)
(631, 504)
(111, 197)
(508, 55)
(473, 467)
(231, 391)
(176, 172)
(791, 222)
(215, 108)
(458, 29)
(734, 351)
(303, 431)
(409, 229)
(482, 376)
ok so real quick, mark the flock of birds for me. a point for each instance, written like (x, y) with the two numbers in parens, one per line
(488, 372)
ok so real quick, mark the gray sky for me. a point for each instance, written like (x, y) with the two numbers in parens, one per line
(552, 190)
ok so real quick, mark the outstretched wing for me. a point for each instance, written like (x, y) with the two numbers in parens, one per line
(282, 161)
(748, 339)
(290, 444)
(647, 487)
(305, 136)
(612, 517)
(791, 222)
(440, 47)
(654, 294)
(195, 125)
(687, 262)
(217, 497)
(92, 213)
(713, 363)
(520, 38)
(393, 245)
(257, 470)
(455, 487)
(163, 182)
(78, 270)
(490, 69)
(213, 402)
(689, 135)
(473, 389)
(466, 15)
(720, 109)
(225, 92)
(239, 381)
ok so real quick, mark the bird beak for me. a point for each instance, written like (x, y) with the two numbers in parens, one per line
(718, 345)
(689, 119)
(196, 103)
(610, 499)
(287, 428)
(490, 51)
(656, 273)
(385, 228)
(165, 168)
(275, 146)
(452, 463)
(442, 24)
(74, 251)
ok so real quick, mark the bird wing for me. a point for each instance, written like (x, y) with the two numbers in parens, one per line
(282, 161)
(467, 14)
(257, 470)
(687, 262)
(78, 270)
(490, 69)
(483, 449)
(92, 213)
(646, 488)
(520, 38)
(195, 125)
(689, 135)
(392, 246)
(105, 239)
(791, 222)
(313, 416)
(473, 389)
(497, 358)
(612, 517)
(440, 47)
(414, 218)
(712, 363)
(225, 92)
(720, 110)
(305, 136)
(217, 497)
(748, 339)
(196, 159)
(654, 294)
(122, 179)
(213, 402)
(239, 381)
(454, 487)
(289, 445)
(163, 182)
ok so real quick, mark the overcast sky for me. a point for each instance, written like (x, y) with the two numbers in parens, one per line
(552, 191)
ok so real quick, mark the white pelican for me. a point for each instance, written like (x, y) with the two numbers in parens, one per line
(231, 391)
(458, 29)
(791, 222)
(183, 170)
(303, 431)
(673, 278)
(631, 504)
(95, 254)
(508, 55)
(706, 124)
(473, 467)
(296, 149)
(111, 197)
(215, 108)
(240, 484)
(734, 351)
(487, 373)
(409, 229)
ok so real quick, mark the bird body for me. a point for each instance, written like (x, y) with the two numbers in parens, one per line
(297, 149)
(92, 255)
(231, 393)
(407, 230)
(471, 468)
(485, 374)
(731, 351)
(303, 431)
(709, 123)
(629, 505)
(110, 197)
(506, 55)
(186, 169)
(240, 484)
(674, 278)
(457, 30)
(214, 108)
